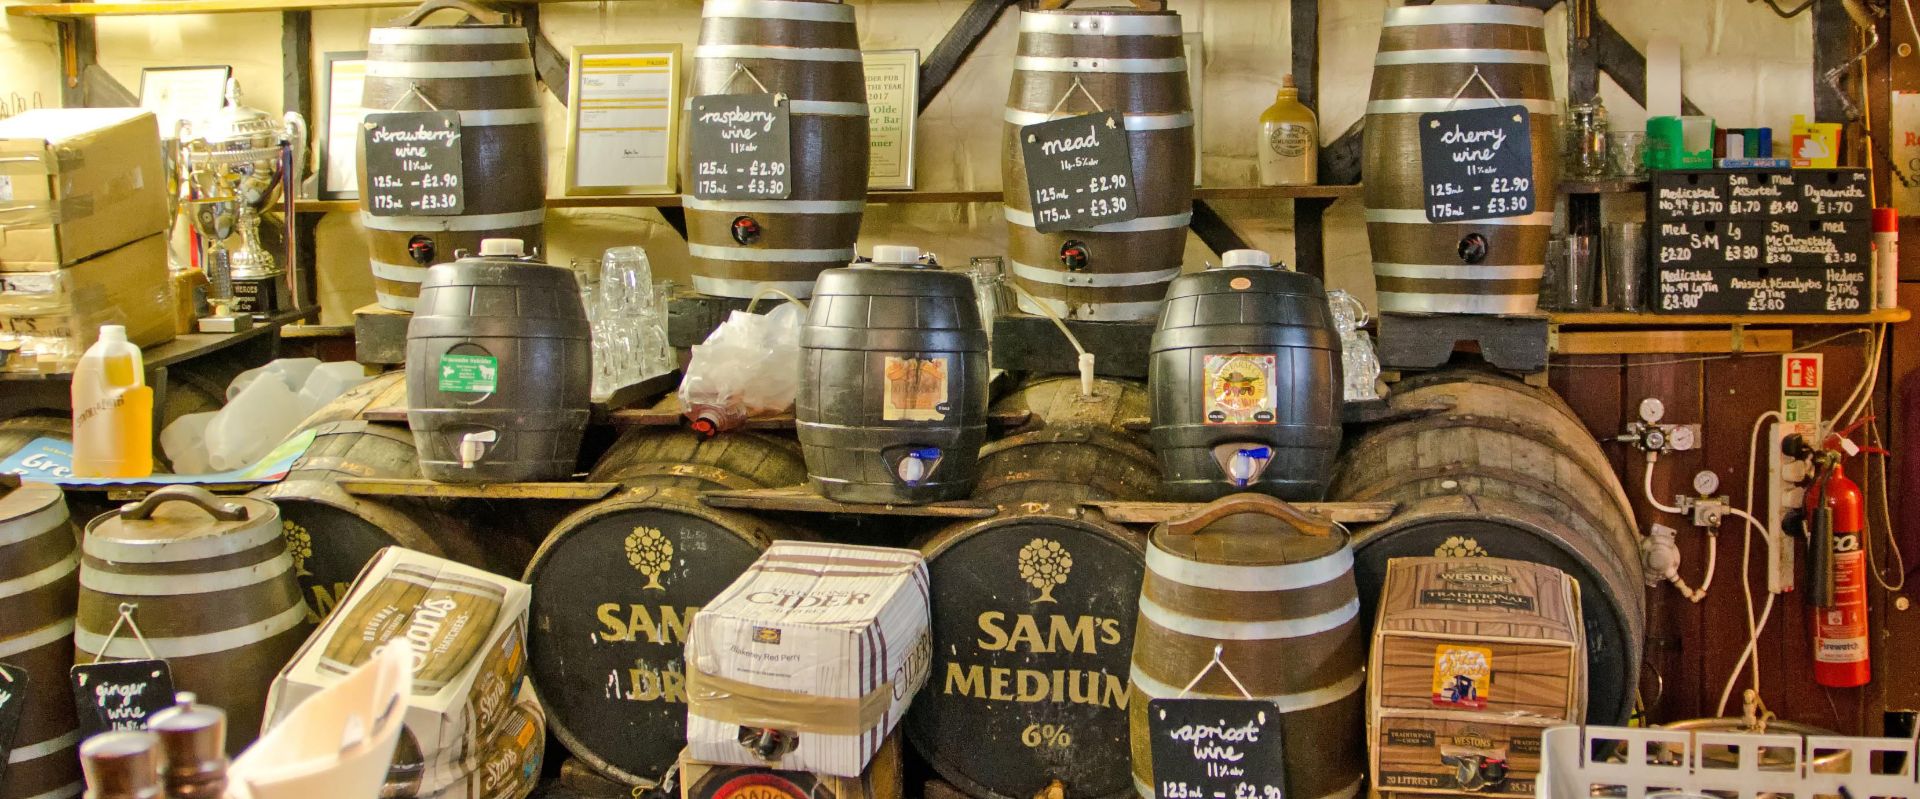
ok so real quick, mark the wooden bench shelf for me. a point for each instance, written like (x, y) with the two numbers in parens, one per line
(1328, 193)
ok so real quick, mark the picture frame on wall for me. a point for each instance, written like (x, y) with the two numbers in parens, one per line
(893, 111)
(183, 93)
(623, 123)
(343, 76)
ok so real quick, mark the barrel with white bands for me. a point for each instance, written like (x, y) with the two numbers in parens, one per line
(1427, 55)
(809, 51)
(486, 73)
(224, 610)
(38, 585)
(1287, 619)
(1134, 63)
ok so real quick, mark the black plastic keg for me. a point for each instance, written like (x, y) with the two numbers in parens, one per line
(893, 382)
(1245, 375)
(499, 367)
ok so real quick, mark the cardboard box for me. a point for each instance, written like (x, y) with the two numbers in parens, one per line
(75, 182)
(467, 629)
(703, 780)
(58, 313)
(1472, 659)
(823, 644)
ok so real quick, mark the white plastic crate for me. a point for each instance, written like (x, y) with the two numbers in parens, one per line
(1634, 762)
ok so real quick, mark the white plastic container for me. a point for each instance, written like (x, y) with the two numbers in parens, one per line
(112, 409)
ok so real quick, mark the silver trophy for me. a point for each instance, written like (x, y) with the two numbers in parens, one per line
(214, 218)
(239, 155)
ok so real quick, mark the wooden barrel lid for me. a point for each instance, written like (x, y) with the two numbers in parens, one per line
(1249, 530)
(28, 500)
(178, 515)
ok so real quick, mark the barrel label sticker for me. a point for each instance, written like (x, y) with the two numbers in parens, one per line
(13, 696)
(742, 782)
(1239, 389)
(1477, 163)
(469, 374)
(915, 389)
(120, 695)
(1462, 676)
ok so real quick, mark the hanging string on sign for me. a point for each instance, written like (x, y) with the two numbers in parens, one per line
(738, 68)
(119, 694)
(413, 90)
(126, 618)
(1082, 88)
(1216, 662)
(1078, 175)
(1491, 92)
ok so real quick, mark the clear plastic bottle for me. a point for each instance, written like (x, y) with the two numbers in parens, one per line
(112, 409)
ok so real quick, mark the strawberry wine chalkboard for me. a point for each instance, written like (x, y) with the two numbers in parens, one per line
(1477, 163)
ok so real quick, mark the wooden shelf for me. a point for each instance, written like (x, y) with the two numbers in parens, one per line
(881, 197)
(1886, 316)
(1604, 186)
(175, 7)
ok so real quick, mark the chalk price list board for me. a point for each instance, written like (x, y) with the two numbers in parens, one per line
(742, 147)
(1216, 749)
(414, 164)
(1477, 163)
(120, 695)
(1760, 241)
(1079, 172)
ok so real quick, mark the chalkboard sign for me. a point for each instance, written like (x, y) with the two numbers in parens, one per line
(1759, 195)
(13, 697)
(413, 164)
(742, 147)
(1731, 290)
(120, 695)
(1079, 172)
(1216, 749)
(1793, 243)
(1477, 163)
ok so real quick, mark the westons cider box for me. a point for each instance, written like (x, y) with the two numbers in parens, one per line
(808, 660)
(1473, 658)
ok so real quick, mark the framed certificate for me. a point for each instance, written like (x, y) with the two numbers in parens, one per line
(623, 120)
(893, 107)
(345, 78)
(177, 93)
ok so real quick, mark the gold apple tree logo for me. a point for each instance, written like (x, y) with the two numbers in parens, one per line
(650, 553)
(1459, 547)
(299, 546)
(1045, 564)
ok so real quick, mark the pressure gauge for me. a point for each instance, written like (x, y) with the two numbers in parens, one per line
(1682, 438)
(1706, 482)
(1651, 409)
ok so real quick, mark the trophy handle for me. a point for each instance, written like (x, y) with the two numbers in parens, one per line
(296, 127)
(474, 12)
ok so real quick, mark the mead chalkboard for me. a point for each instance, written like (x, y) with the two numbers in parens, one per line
(13, 697)
(1216, 749)
(1079, 172)
(413, 164)
(742, 147)
(120, 695)
(1778, 290)
(1477, 163)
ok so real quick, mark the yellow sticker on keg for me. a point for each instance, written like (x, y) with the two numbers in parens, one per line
(915, 390)
(1462, 675)
(1239, 389)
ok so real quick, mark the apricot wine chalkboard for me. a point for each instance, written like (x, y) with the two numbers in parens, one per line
(1477, 163)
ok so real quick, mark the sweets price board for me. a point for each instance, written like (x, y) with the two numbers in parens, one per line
(1477, 163)
(414, 164)
(1079, 172)
(1761, 241)
(742, 147)
(1216, 749)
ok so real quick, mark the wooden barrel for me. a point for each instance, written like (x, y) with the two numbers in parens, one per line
(1427, 56)
(1272, 590)
(38, 563)
(1134, 63)
(485, 72)
(19, 431)
(1507, 473)
(617, 583)
(809, 51)
(213, 591)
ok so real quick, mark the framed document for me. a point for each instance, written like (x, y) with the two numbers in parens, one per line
(177, 93)
(893, 107)
(624, 119)
(345, 78)
(1196, 74)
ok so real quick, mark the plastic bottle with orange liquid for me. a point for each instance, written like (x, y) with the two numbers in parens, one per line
(112, 409)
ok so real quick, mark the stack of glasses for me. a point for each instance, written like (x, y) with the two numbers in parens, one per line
(629, 319)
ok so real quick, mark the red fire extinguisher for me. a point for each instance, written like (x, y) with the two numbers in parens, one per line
(1839, 578)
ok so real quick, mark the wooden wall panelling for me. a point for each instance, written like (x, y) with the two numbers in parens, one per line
(1305, 27)
(1898, 678)
(1672, 620)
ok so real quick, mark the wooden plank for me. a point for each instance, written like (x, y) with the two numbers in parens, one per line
(1583, 75)
(1304, 25)
(931, 196)
(1626, 65)
(1025, 343)
(667, 413)
(177, 7)
(1340, 161)
(1131, 512)
(104, 91)
(1327, 191)
(803, 500)
(1309, 236)
(76, 58)
(401, 487)
(1214, 230)
(549, 63)
(380, 335)
(1836, 45)
(952, 51)
(1620, 319)
(1646, 342)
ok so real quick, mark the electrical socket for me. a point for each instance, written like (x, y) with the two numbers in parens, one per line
(1784, 492)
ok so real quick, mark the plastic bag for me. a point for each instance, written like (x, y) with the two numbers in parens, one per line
(749, 366)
